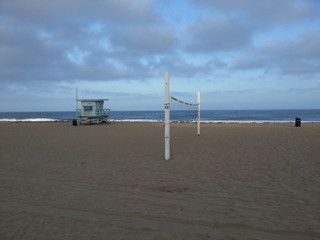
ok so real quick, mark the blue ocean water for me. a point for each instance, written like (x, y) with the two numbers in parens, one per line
(306, 115)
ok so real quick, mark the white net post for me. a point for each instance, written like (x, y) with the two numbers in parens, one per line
(166, 117)
(198, 114)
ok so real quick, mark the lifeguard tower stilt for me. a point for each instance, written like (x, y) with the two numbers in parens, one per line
(92, 111)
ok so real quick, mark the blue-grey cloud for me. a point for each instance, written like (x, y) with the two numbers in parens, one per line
(217, 34)
(301, 56)
(307, 47)
(264, 13)
(145, 41)
(182, 68)
(57, 41)
(52, 13)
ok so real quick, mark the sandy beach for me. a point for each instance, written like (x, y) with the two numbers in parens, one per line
(110, 181)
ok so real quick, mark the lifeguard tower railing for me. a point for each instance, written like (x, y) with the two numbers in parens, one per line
(98, 116)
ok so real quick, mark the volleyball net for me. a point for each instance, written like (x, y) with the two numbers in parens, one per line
(182, 111)
(170, 101)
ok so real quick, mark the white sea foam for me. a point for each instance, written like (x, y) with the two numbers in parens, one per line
(255, 121)
(134, 120)
(28, 120)
(244, 121)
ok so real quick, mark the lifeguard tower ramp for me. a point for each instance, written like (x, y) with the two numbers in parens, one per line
(92, 111)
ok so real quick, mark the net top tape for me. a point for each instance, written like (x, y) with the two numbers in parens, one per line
(189, 104)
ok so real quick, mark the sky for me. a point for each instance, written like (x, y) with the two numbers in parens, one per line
(240, 54)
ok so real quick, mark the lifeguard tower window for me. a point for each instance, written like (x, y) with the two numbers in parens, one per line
(92, 111)
(87, 108)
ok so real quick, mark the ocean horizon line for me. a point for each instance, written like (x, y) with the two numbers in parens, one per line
(227, 109)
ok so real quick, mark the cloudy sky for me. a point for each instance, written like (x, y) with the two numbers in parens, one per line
(240, 54)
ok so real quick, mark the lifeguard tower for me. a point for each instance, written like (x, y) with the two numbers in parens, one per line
(92, 111)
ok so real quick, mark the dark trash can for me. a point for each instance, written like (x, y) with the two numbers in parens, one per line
(298, 122)
(74, 122)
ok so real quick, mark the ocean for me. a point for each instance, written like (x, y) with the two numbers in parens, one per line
(241, 116)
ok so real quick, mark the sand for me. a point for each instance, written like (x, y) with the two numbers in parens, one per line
(235, 181)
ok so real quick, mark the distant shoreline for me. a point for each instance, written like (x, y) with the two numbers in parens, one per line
(145, 121)
(207, 116)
